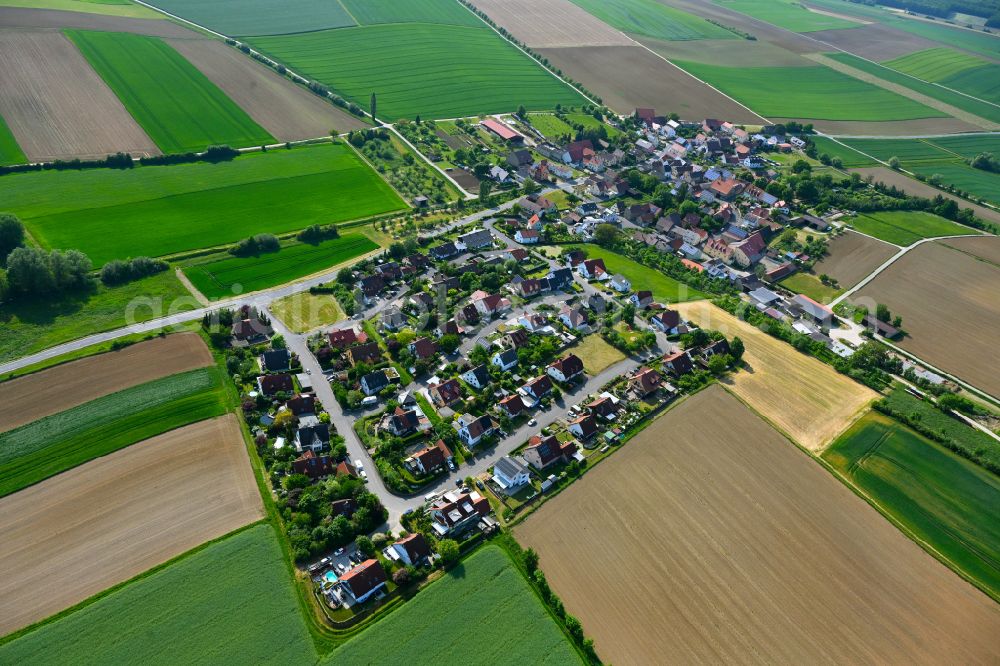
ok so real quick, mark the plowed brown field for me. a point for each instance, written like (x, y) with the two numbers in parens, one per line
(853, 257)
(551, 23)
(81, 532)
(804, 397)
(710, 539)
(57, 389)
(20, 17)
(950, 307)
(287, 111)
(57, 107)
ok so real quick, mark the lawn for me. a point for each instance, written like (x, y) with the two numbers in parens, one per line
(62, 441)
(369, 12)
(665, 289)
(814, 93)
(259, 17)
(238, 275)
(596, 354)
(590, 122)
(903, 227)
(471, 70)
(10, 152)
(551, 126)
(943, 499)
(958, 100)
(177, 105)
(304, 312)
(786, 14)
(232, 601)
(191, 206)
(30, 325)
(490, 613)
(811, 286)
(653, 19)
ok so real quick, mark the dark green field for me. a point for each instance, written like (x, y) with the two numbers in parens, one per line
(180, 109)
(56, 443)
(943, 499)
(240, 275)
(164, 210)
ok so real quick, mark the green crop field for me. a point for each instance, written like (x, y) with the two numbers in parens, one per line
(10, 152)
(815, 93)
(968, 146)
(191, 206)
(491, 616)
(230, 602)
(935, 65)
(180, 109)
(665, 289)
(811, 286)
(243, 18)
(982, 82)
(239, 275)
(369, 12)
(786, 14)
(983, 184)
(653, 19)
(62, 441)
(943, 499)
(471, 70)
(30, 325)
(909, 151)
(550, 126)
(904, 227)
(956, 99)
(849, 157)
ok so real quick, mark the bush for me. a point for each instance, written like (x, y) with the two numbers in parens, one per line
(119, 272)
(317, 233)
(256, 245)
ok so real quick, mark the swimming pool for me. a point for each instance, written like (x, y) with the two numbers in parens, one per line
(330, 577)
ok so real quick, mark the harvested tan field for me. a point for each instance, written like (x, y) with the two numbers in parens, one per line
(984, 247)
(57, 389)
(81, 532)
(764, 32)
(874, 41)
(287, 111)
(57, 107)
(868, 128)
(710, 539)
(917, 188)
(17, 17)
(804, 397)
(949, 304)
(727, 51)
(551, 23)
(853, 257)
(627, 77)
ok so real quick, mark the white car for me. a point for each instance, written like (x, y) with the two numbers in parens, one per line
(358, 465)
(532, 422)
(364, 476)
(337, 553)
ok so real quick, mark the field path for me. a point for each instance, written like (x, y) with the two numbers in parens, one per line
(200, 297)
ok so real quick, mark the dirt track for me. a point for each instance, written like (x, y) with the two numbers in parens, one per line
(804, 397)
(627, 77)
(81, 532)
(57, 106)
(711, 539)
(853, 257)
(18, 17)
(287, 111)
(551, 23)
(916, 188)
(950, 308)
(57, 389)
(984, 247)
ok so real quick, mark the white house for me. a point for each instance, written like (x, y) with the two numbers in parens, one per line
(472, 429)
(478, 377)
(566, 368)
(505, 360)
(527, 236)
(620, 283)
(510, 475)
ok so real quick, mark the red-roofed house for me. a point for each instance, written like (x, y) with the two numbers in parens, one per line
(364, 580)
(566, 368)
(346, 337)
(542, 452)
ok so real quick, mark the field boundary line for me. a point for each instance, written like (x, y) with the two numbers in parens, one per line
(183, 279)
(969, 387)
(348, 12)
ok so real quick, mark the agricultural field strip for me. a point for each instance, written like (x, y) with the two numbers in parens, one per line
(56, 389)
(104, 522)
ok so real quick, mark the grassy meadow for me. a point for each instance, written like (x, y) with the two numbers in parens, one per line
(304, 312)
(811, 286)
(905, 227)
(943, 499)
(653, 19)
(10, 152)
(179, 107)
(551, 126)
(470, 69)
(229, 276)
(232, 601)
(491, 615)
(665, 289)
(191, 206)
(786, 14)
(816, 93)
(30, 325)
(936, 65)
(62, 441)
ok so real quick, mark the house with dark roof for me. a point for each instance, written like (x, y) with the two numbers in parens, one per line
(560, 278)
(412, 550)
(469, 314)
(749, 251)
(505, 360)
(345, 337)
(475, 239)
(402, 422)
(678, 363)
(641, 299)
(645, 382)
(444, 251)
(583, 427)
(472, 429)
(512, 405)
(604, 408)
(566, 368)
(301, 403)
(363, 581)
(314, 466)
(374, 382)
(366, 353)
(543, 452)
(592, 269)
(313, 437)
(423, 348)
(539, 387)
(667, 321)
(477, 377)
(574, 318)
(446, 393)
(275, 360)
(529, 287)
(429, 460)
(392, 319)
(718, 347)
(455, 513)
(343, 507)
(372, 285)
(271, 384)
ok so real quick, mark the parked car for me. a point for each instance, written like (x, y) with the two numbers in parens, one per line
(532, 422)
(451, 465)
(358, 465)
(338, 552)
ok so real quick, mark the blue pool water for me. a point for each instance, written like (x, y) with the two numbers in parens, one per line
(330, 577)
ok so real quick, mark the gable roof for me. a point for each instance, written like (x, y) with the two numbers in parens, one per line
(568, 365)
(365, 353)
(586, 424)
(415, 546)
(512, 404)
(423, 348)
(364, 578)
(346, 337)
(481, 373)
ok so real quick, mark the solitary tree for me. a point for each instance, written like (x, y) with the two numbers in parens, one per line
(372, 106)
